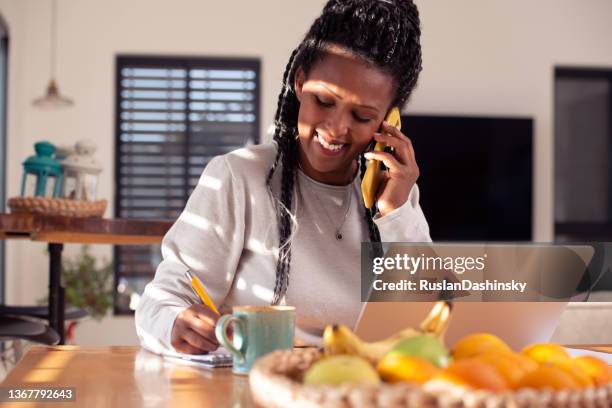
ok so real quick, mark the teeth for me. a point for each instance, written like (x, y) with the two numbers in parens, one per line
(328, 146)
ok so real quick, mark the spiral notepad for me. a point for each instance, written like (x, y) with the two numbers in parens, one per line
(218, 358)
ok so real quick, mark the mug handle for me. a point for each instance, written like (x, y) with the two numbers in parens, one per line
(221, 330)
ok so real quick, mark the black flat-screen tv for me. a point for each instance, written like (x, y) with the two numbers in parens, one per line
(476, 176)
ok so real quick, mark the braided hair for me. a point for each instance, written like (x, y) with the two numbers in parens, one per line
(382, 33)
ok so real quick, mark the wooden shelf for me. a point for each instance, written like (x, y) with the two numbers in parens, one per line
(59, 229)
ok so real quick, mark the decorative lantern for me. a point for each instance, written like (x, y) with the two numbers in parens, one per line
(42, 174)
(81, 173)
(61, 152)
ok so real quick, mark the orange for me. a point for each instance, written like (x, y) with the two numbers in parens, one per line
(548, 376)
(511, 366)
(573, 369)
(472, 374)
(598, 370)
(479, 343)
(396, 367)
(545, 353)
(525, 363)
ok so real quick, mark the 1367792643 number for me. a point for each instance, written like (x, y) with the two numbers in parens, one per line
(34, 394)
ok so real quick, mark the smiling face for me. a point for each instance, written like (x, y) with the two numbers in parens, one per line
(342, 103)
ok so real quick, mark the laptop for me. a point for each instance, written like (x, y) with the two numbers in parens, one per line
(517, 323)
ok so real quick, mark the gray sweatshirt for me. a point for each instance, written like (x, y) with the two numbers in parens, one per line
(227, 235)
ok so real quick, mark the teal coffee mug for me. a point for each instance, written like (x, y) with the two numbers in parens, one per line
(258, 330)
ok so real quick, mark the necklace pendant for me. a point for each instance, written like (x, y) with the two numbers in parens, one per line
(338, 236)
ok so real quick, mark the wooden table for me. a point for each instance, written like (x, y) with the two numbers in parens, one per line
(57, 230)
(131, 377)
(126, 377)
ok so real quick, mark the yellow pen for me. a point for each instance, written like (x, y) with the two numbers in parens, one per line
(198, 288)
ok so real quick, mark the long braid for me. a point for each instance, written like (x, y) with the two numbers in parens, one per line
(286, 154)
(383, 33)
(286, 226)
(277, 124)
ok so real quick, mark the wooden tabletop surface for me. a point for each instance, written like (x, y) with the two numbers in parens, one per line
(62, 229)
(125, 376)
(128, 376)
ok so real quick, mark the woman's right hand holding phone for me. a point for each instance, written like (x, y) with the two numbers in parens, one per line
(194, 330)
(403, 171)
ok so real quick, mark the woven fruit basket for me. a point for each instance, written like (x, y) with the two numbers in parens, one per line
(57, 206)
(276, 382)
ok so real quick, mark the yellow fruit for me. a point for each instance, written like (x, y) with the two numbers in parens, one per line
(511, 366)
(573, 369)
(548, 376)
(336, 370)
(479, 343)
(395, 367)
(339, 339)
(437, 320)
(525, 363)
(598, 370)
(545, 353)
(472, 374)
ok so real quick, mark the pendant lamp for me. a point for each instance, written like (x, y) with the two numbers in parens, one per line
(53, 98)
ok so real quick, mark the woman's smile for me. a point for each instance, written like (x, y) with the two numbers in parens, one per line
(330, 147)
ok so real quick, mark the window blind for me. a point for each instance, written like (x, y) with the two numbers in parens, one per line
(173, 116)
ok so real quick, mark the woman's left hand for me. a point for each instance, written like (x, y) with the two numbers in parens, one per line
(402, 172)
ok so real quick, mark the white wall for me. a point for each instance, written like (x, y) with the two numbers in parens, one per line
(498, 57)
(480, 57)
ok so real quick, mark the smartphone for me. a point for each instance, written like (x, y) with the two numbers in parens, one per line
(374, 174)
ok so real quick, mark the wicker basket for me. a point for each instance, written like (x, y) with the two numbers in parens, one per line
(276, 382)
(57, 206)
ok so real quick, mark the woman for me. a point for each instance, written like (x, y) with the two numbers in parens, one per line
(293, 209)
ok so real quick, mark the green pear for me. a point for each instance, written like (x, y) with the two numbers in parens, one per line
(341, 369)
(425, 346)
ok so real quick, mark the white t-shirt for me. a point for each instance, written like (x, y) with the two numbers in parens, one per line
(228, 236)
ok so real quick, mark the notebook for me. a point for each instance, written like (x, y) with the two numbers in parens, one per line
(219, 358)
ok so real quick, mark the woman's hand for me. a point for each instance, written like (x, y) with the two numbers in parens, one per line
(402, 168)
(194, 330)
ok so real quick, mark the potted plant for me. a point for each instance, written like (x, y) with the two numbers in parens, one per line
(87, 285)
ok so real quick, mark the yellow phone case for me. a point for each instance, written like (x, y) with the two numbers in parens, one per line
(374, 175)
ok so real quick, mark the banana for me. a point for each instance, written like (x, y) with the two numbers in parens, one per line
(339, 339)
(374, 175)
(438, 319)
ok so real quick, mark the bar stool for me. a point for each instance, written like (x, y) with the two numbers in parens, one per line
(41, 312)
(12, 327)
(27, 323)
